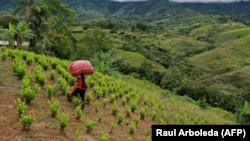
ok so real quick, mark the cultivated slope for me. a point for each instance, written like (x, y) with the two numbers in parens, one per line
(111, 99)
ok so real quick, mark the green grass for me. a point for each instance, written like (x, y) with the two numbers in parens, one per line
(136, 59)
(227, 66)
(233, 35)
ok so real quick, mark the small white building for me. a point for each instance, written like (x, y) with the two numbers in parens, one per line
(6, 43)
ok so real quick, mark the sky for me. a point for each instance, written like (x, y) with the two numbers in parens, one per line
(203, 1)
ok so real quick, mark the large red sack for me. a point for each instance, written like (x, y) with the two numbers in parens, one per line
(81, 66)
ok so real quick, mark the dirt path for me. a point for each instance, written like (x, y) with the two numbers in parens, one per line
(9, 121)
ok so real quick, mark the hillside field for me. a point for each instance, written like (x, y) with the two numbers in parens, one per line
(120, 108)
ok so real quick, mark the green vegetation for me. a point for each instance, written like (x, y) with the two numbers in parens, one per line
(163, 65)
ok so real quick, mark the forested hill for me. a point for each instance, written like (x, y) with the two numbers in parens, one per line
(146, 10)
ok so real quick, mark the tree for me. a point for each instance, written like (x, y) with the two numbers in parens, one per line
(24, 8)
(7, 35)
(49, 20)
(21, 31)
(96, 41)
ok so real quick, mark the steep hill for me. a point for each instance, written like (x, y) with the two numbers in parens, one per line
(26, 74)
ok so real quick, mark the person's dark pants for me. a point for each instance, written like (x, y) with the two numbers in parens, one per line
(81, 93)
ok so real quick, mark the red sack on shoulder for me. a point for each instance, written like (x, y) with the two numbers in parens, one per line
(81, 66)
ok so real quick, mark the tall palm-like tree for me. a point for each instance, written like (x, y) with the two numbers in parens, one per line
(24, 8)
(36, 14)
(21, 32)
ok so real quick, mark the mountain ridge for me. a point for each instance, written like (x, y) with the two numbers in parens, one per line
(146, 10)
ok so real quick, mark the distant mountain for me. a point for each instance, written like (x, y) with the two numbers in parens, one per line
(237, 8)
(144, 10)
(152, 9)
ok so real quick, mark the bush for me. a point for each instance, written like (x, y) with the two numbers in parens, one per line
(54, 106)
(51, 91)
(104, 137)
(27, 94)
(63, 119)
(132, 127)
(27, 120)
(77, 101)
(21, 107)
(78, 112)
(89, 125)
(120, 118)
(243, 115)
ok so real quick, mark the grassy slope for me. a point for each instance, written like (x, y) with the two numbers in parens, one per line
(136, 59)
(229, 63)
(170, 109)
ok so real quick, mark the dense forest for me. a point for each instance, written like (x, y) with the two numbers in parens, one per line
(203, 54)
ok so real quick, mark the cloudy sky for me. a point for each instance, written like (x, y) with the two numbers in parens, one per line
(204, 1)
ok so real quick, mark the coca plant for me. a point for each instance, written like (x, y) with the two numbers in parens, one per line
(54, 106)
(63, 120)
(21, 107)
(26, 120)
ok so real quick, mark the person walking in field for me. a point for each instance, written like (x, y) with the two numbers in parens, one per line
(80, 88)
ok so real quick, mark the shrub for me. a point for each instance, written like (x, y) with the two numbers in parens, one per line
(124, 101)
(77, 101)
(100, 115)
(115, 109)
(113, 126)
(132, 127)
(128, 111)
(63, 119)
(142, 113)
(89, 125)
(120, 118)
(21, 107)
(104, 137)
(105, 101)
(137, 121)
(112, 98)
(243, 114)
(77, 136)
(27, 94)
(29, 60)
(52, 74)
(4, 56)
(19, 67)
(51, 91)
(39, 75)
(153, 115)
(88, 98)
(54, 106)
(133, 106)
(78, 112)
(27, 120)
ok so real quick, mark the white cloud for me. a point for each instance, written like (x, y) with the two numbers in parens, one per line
(207, 1)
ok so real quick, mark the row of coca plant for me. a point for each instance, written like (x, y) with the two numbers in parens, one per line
(100, 84)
